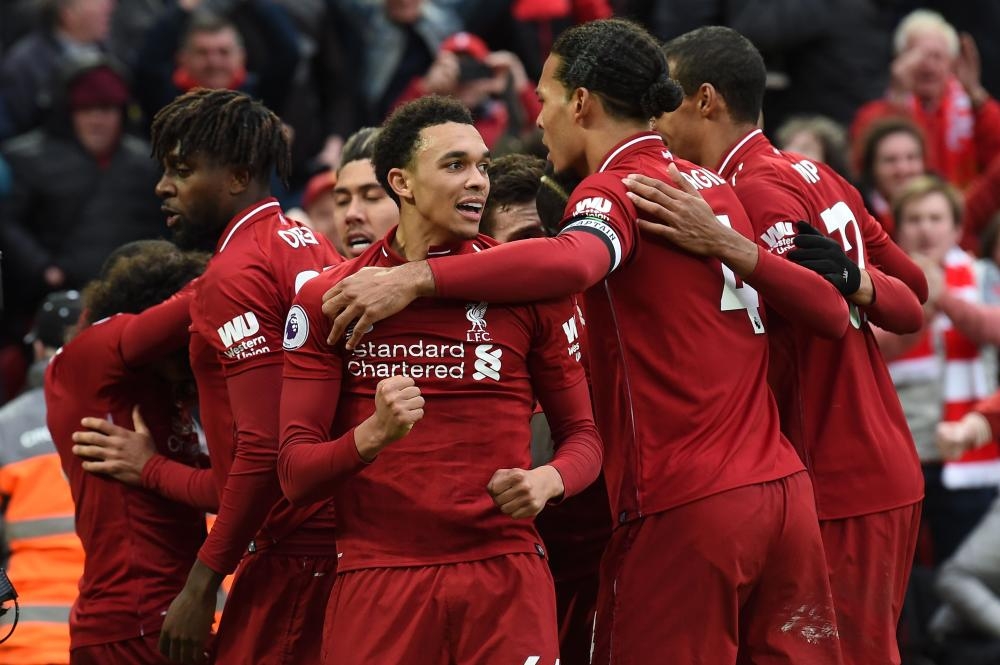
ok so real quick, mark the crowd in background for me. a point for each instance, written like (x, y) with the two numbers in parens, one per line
(902, 108)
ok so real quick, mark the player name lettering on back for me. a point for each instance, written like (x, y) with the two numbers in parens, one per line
(780, 238)
(298, 236)
(808, 171)
(702, 178)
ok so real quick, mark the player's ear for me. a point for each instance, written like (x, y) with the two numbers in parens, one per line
(399, 180)
(581, 101)
(708, 100)
(239, 180)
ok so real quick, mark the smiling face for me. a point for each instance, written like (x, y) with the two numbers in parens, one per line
(899, 158)
(362, 211)
(196, 197)
(446, 181)
(557, 122)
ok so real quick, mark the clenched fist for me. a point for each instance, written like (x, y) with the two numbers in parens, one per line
(398, 406)
(522, 494)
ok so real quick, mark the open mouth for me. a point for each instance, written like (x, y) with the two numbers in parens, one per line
(172, 216)
(471, 208)
(358, 243)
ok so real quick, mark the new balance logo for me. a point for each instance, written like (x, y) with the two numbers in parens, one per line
(239, 329)
(487, 362)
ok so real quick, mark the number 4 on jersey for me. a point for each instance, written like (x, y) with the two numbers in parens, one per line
(737, 295)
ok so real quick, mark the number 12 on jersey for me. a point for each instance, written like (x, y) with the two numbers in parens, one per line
(737, 295)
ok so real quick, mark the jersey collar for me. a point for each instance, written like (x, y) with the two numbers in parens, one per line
(737, 152)
(392, 257)
(633, 142)
(246, 217)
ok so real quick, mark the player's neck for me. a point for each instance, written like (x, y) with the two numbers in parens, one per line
(415, 235)
(603, 139)
(720, 142)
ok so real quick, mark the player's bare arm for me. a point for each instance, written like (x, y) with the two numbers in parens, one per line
(189, 618)
(398, 406)
(374, 294)
(114, 450)
(521, 493)
(685, 219)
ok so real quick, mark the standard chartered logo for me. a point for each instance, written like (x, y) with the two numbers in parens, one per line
(487, 362)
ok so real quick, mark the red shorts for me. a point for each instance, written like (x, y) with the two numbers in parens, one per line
(498, 610)
(576, 606)
(736, 577)
(869, 559)
(143, 650)
(274, 612)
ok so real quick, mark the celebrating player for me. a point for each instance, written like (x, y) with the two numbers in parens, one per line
(709, 499)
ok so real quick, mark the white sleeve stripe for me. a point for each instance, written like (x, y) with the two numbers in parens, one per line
(603, 231)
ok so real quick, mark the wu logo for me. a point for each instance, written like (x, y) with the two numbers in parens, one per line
(487, 362)
(476, 314)
(239, 328)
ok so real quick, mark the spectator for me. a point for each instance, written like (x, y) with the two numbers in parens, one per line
(938, 372)
(46, 557)
(492, 85)
(891, 154)
(400, 40)
(318, 204)
(819, 138)
(70, 28)
(81, 188)
(189, 47)
(936, 83)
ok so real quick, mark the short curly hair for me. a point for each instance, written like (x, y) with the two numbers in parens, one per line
(397, 142)
(138, 276)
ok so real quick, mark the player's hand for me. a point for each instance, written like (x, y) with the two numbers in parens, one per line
(398, 406)
(189, 618)
(679, 214)
(522, 494)
(373, 294)
(825, 256)
(114, 450)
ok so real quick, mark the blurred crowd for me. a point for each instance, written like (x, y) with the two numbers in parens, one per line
(895, 95)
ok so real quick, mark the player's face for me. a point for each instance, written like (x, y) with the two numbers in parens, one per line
(557, 122)
(362, 211)
(926, 227)
(194, 192)
(933, 65)
(679, 130)
(898, 159)
(448, 182)
(517, 221)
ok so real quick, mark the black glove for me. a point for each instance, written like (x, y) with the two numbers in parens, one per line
(825, 256)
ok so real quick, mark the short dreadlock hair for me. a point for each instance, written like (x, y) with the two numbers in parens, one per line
(397, 141)
(621, 63)
(514, 179)
(138, 276)
(228, 127)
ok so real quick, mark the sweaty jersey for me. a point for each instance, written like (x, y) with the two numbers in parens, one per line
(479, 366)
(678, 349)
(139, 546)
(837, 401)
(237, 317)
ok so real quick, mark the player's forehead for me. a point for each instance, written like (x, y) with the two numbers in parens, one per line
(548, 84)
(356, 174)
(451, 140)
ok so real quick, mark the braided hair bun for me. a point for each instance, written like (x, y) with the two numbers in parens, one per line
(663, 96)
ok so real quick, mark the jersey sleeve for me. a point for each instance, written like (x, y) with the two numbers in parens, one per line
(560, 384)
(599, 233)
(796, 293)
(158, 330)
(241, 314)
(181, 483)
(309, 462)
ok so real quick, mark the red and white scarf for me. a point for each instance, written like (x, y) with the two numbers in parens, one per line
(951, 128)
(946, 355)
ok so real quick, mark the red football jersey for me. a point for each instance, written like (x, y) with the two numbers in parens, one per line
(836, 399)
(237, 317)
(677, 347)
(139, 545)
(479, 366)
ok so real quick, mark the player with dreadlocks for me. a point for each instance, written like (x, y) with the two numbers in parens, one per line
(219, 149)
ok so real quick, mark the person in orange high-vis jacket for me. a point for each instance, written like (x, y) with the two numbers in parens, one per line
(46, 557)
